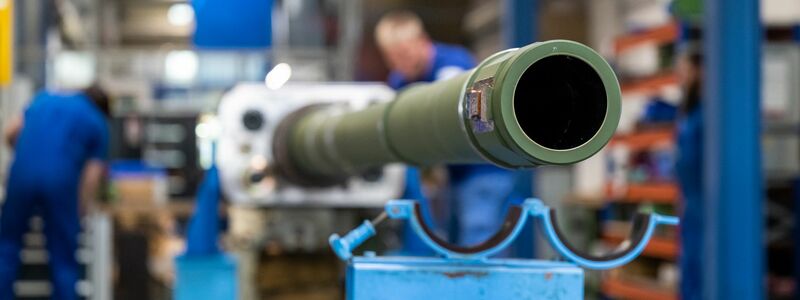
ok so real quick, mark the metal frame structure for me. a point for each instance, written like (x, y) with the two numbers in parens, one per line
(520, 28)
(520, 22)
(100, 229)
(468, 272)
(734, 258)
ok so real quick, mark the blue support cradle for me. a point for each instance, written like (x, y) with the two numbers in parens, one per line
(369, 277)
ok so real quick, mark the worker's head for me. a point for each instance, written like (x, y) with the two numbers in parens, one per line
(405, 45)
(100, 98)
(690, 74)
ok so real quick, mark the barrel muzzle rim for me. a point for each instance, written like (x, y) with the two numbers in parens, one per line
(512, 133)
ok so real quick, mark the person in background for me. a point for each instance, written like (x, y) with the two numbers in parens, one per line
(689, 169)
(60, 148)
(412, 56)
(479, 192)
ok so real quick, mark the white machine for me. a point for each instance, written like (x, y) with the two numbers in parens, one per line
(249, 115)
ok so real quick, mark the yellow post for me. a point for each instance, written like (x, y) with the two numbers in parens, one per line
(6, 42)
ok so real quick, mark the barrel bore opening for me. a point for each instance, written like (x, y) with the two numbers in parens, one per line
(560, 102)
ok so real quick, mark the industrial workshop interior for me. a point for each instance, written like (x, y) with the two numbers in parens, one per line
(399, 149)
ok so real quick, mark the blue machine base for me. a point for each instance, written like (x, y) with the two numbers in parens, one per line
(389, 278)
(201, 277)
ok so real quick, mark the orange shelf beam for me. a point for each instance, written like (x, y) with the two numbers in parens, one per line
(660, 193)
(659, 35)
(650, 85)
(622, 289)
(643, 140)
(665, 192)
(658, 247)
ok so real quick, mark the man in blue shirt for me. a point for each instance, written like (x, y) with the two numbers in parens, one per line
(412, 56)
(479, 192)
(60, 145)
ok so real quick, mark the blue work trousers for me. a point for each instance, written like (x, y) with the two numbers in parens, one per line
(58, 206)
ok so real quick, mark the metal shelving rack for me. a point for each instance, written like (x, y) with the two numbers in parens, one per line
(620, 196)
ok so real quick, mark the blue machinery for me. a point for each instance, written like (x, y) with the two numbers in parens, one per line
(468, 272)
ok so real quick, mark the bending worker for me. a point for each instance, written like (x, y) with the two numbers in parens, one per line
(60, 145)
(479, 192)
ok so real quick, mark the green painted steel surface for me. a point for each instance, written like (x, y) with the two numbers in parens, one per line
(479, 116)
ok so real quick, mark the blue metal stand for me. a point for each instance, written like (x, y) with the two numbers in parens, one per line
(520, 28)
(391, 278)
(202, 277)
(468, 272)
(520, 22)
(734, 258)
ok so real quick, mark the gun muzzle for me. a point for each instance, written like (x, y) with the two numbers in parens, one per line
(549, 103)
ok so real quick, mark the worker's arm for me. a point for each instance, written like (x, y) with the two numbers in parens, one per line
(12, 130)
(95, 169)
(91, 179)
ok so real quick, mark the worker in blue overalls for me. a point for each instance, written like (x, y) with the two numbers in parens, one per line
(60, 145)
(479, 193)
(689, 169)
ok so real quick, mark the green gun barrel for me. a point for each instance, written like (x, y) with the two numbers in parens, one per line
(549, 103)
